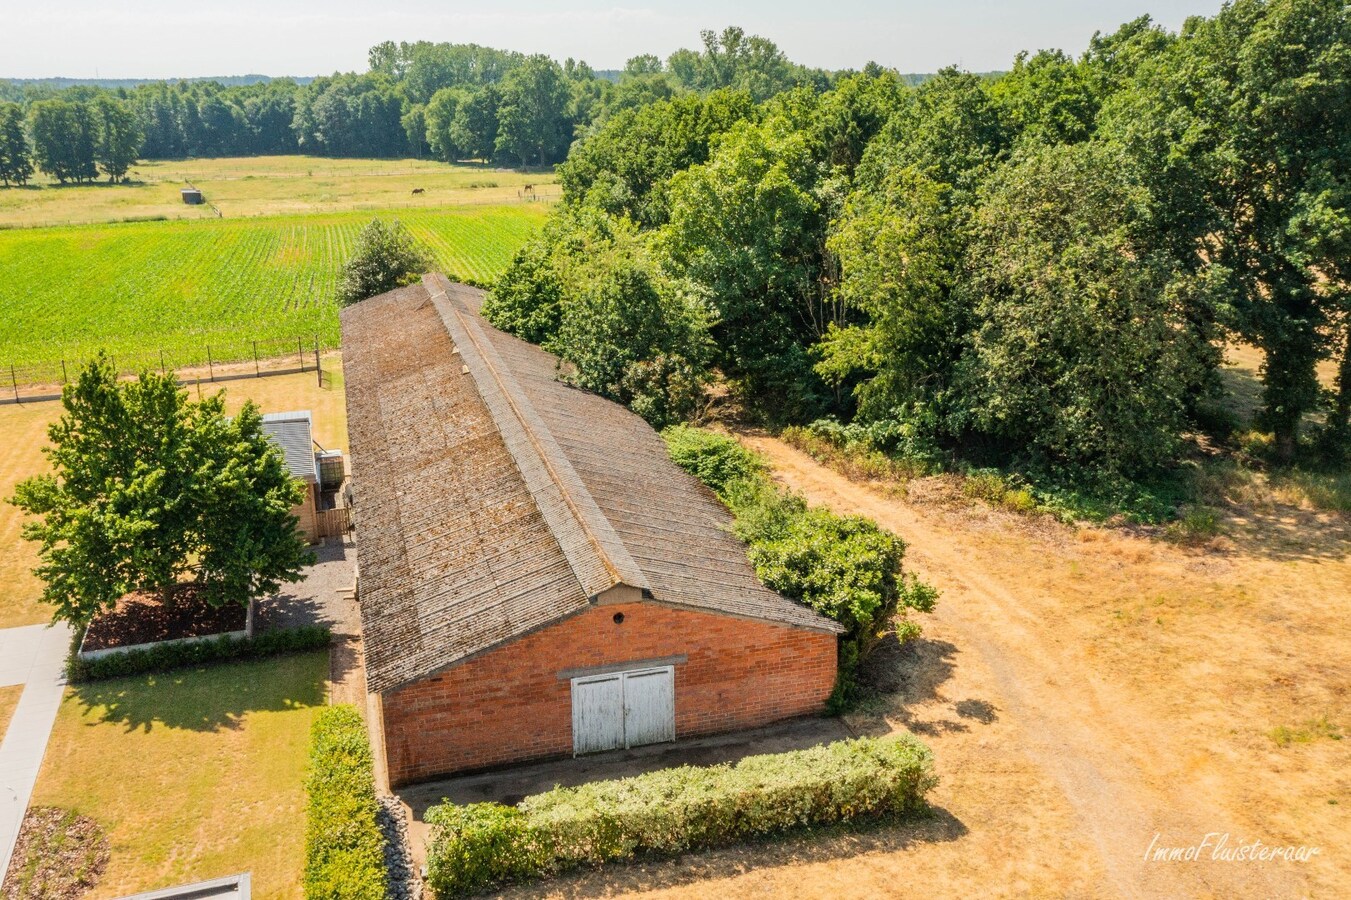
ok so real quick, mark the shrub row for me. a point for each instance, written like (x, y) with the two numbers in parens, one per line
(344, 847)
(845, 567)
(475, 847)
(167, 656)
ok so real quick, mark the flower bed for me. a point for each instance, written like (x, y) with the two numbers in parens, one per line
(142, 621)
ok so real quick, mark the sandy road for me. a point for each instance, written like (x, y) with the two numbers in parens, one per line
(1091, 739)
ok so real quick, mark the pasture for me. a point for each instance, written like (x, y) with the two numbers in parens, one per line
(269, 186)
(137, 288)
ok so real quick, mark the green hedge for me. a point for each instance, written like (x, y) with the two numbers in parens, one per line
(344, 849)
(164, 657)
(475, 847)
(847, 568)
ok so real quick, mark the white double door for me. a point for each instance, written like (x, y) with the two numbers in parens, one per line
(623, 709)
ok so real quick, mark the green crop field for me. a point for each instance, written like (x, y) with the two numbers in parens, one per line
(135, 289)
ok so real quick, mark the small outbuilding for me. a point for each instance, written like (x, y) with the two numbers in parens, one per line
(537, 578)
(293, 432)
(192, 196)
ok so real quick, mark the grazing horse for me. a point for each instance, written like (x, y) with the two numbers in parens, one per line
(419, 190)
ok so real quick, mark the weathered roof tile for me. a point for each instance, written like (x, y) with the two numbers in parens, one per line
(492, 499)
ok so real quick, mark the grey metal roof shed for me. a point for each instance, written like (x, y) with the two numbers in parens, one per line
(294, 433)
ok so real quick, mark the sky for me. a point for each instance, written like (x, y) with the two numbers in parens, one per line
(190, 38)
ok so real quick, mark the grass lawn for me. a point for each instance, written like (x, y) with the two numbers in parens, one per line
(9, 699)
(192, 775)
(23, 433)
(267, 185)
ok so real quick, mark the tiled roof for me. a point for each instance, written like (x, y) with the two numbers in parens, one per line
(491, 499)
(294, 433)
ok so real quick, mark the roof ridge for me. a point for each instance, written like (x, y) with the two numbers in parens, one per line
(594, 550)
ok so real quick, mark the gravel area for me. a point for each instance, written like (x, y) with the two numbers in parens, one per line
(404, 881)
(324, 596)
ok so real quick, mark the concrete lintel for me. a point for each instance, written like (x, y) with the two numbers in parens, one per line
(569, 674)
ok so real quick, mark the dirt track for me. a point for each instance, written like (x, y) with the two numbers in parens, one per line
(1083, 691)
(1086, 734)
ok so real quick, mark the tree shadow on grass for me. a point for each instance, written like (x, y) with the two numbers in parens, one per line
(914, 674)
(213, 698)
(805, 846)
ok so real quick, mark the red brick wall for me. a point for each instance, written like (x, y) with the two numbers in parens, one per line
(509, 705)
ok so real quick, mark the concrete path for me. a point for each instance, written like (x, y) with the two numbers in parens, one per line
(33, 656)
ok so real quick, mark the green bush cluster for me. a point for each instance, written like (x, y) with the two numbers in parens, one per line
(476, 847)
(715, 459)
(167, 656)
(344, 848)
(845, 567)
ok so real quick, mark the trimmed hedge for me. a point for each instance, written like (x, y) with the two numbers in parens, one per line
(344, 848)
(165, 657)
(475, 847)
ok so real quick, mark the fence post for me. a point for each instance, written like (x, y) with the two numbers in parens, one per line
(317, 367)
(161, 361)
(210, 366)
(65, 379)
(300, 351)
(256, 372)
(14, 380)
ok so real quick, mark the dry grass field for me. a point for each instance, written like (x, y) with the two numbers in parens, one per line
(23, 433)
(269, 185)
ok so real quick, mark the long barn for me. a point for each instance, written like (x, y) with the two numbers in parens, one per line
(537, 578)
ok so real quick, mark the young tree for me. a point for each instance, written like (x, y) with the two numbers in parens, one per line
(148, 487)
(387, 257)
(16, 161)
(119, 138)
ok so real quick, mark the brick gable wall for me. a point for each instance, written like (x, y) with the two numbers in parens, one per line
(509, 705)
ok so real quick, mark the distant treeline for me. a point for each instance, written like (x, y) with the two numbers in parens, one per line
(448, 101)
(17, 89)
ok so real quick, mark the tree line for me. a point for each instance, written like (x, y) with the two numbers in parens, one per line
(423, 99)
(1035, 271)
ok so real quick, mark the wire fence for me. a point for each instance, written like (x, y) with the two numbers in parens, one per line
(217, 357)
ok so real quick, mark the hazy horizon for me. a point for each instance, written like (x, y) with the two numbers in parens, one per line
(303, 38)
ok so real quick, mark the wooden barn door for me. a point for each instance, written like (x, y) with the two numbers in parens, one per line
(623, 709)
(649, 707)
(597, 713)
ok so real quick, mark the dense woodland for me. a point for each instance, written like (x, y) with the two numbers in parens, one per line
(1035, 272)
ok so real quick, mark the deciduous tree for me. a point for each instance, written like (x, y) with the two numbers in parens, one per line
(16, 160)
(386, 257)
(148, 488)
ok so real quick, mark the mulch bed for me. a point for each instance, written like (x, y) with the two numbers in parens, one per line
(59, 856)
(143, 619)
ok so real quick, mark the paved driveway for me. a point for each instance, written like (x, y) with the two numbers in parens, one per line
(33, 656)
